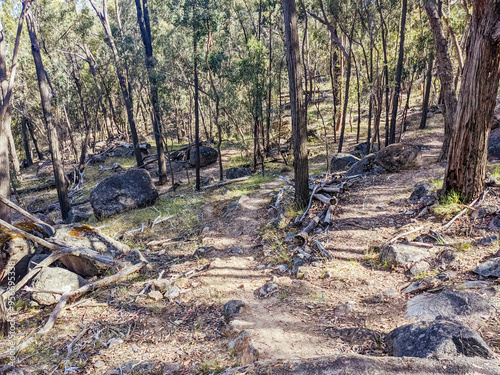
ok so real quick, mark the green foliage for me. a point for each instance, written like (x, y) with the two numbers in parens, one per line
(449, 205)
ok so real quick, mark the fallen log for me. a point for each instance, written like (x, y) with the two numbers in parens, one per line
(325, 199)
(55, 245)
(331, 189)
(322, 250)
(70, 296)
(26, 214)
(303, 236)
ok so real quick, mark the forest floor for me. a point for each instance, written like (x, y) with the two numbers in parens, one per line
(241, 252)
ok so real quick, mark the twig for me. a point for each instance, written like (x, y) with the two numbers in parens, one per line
(310, 202)
(287, 181)
(322, 249)
(450, 223)
(397, 237)
(78, 337)
(26, 214)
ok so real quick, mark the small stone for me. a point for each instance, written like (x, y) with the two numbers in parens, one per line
(269, 289)
(243, 345)
(282, 268)
(182, 283)
(260, 267)
(202, 251)
(490, 268)
(327, 274)
(232, 309)
(488, 240)
(173, 293)
(419, 268)
(428, 200)
(99, 364)
(236, 250)
(420, 190)
(161, 284)
(156, 295)
(383, 296)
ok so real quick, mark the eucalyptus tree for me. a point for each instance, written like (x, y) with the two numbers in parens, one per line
(7, 85)
(46, 93)
(466, 168)
(124, 81)
(299, 126)
(145, 27)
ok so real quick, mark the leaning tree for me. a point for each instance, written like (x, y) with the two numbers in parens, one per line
(466, 169)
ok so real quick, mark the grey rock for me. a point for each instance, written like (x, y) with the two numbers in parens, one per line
(490, 268)
(236, 250)
(208, 155)
(420, 190)
(90, 238)
(447, 258)
(173, 293)
(124, 192)
(341, 162)
(238, 172)
(232, 309)
(244, 347)
(365, 365)
(463, 306)
(267, 290)
(494, 145)
(488, 240)
(420, 267)
(436, 339)
(52, 278)
(366, 166)
(35, 260)
(428, 200)
(282, 268)
(361, 150)
(78, 216)
(133, 368)
(495, 223)
(398, 157)
(19, 252)
(403, 254)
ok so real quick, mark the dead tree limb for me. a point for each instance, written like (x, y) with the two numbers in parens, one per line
(70, 296)
(227, 182)
(26, 214)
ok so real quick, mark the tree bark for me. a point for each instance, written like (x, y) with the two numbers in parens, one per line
(6, 86)
(26, 143)
(122, 79)
(144, 25)
(196, 114)
(62, 184)
(299, 127)
(399, 71)
(466, 169)
(445, 72)
(425, 107)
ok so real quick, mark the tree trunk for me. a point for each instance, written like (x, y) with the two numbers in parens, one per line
(143, 20)
(196, 114)
(399, 71)
(26, 142)
(425, 107)
(466, 169)
(62, 184)
(6, 86)
(386, 72)
(299, 127)
(122, 79)
(445, 72)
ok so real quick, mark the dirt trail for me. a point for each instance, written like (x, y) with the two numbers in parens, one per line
(280, 329)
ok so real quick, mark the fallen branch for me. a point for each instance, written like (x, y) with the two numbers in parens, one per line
(322, 250)
(26, 214)
(55, 245)
(44, 186)
(69, 296)
(325, 199)
(310, 202)
(304, 234)
(450, 223)
(227, 182)
(395, 238)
